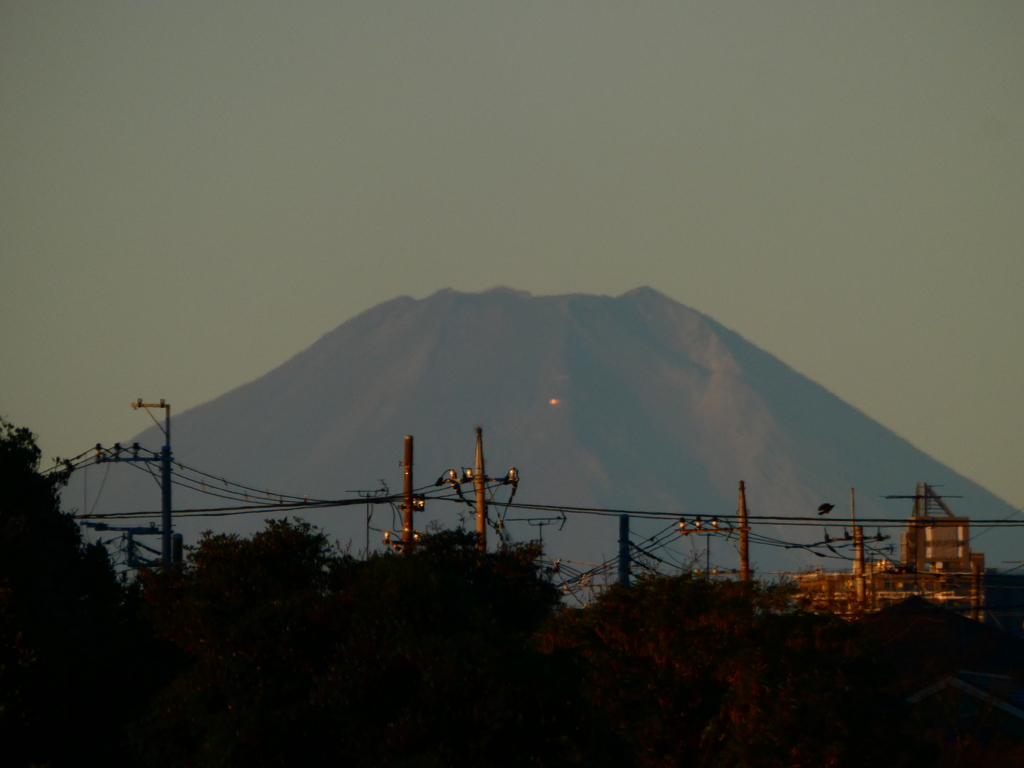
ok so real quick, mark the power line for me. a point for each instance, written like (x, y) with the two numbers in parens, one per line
(195, 480)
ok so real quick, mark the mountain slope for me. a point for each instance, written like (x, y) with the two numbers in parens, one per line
(633, 402)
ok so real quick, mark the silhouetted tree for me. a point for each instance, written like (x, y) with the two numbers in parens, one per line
(281, 650)
(62, 624)
(694, 672)
(302, 655)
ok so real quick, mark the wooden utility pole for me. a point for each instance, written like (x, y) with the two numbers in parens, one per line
(408, 504)
(481, 493)
(858, 565)
(744, 541)
(858, 553)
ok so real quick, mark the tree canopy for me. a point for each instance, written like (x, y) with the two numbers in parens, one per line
(301, 653)
(281, 649)
(688, 671)
(65, 629)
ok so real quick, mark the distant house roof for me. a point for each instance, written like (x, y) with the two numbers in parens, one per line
(924, 644)
(996, 690)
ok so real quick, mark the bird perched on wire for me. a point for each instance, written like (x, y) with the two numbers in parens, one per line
(825, 508)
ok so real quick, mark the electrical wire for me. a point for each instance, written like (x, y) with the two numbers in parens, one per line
(660, 542)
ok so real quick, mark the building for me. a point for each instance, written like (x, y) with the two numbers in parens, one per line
(936, 563)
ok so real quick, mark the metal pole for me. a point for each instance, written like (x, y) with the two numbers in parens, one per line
(744, 541)
(624, 557)
(481, 493)
(407, 505)
(165, 488)
(166, 556)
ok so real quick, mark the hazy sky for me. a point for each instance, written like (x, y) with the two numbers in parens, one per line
(190, 193)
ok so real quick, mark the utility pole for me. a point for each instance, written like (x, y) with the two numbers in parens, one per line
(166, 553)
(624, 556)
(408, 504)
(976, 592)
(744, 540)
(858, 552)
(165, 497)
(858, 565)
(481, 493)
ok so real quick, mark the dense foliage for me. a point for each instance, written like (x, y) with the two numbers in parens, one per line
(280, 649)
(66, 636)
(693, 672)
(303, 655)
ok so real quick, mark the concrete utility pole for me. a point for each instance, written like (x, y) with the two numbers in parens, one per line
(408, 504)
(166, 555)
(164, 457)
(624, 556)
(481, 492)
(744, 540)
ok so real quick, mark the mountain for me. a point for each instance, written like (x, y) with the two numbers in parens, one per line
(632, 402)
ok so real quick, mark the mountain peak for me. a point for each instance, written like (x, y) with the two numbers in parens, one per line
(633, 402)
(645, 292)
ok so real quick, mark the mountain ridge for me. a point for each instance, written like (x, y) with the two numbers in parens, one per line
(627, 402)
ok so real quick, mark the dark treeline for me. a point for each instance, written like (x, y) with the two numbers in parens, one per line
(282, 650)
